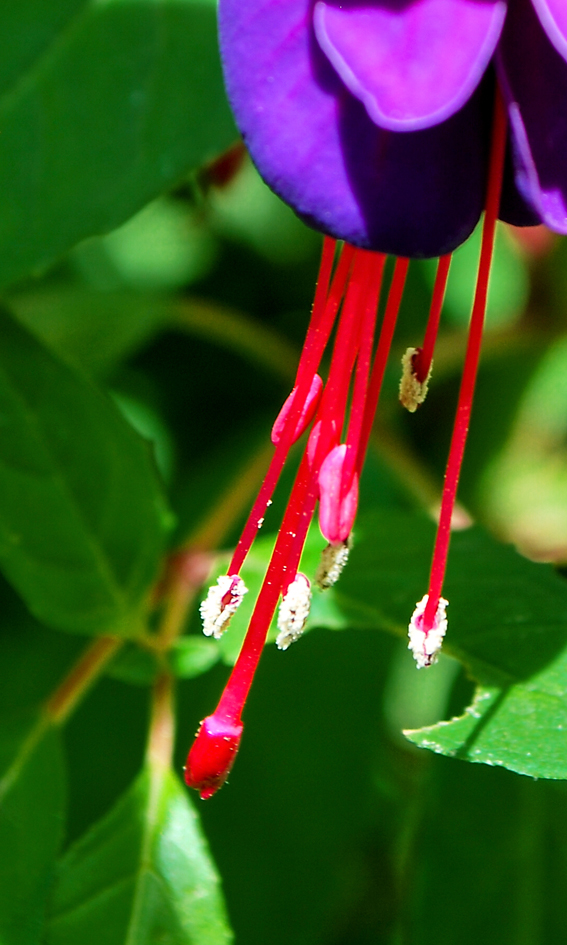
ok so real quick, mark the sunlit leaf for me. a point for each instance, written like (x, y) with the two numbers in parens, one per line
(143, 874)
(506, 624)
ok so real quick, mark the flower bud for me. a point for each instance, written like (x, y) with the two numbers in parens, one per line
(212, 755)
(307, 411)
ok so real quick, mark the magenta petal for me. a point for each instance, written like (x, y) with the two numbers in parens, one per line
(534, 79)
(413, 194)
(553, 18)
(413, 65)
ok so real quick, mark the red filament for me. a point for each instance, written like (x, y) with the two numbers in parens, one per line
(466, 393)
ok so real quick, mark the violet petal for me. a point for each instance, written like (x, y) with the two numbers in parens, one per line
(412, 194)
(413, 65)
(553, 18)
(533, 77)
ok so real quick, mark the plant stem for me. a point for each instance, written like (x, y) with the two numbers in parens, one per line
(161, 736)
(81, 677)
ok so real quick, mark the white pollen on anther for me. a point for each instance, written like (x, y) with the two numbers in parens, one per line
(221, 603)
(332, 563)
(425, 646)
(412, 391)
(293, 612)
(260, 522)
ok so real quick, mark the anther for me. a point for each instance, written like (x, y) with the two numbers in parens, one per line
(307, 411)
(221, 603)
(293, 612)
(423, 642)
(338, 500)
(332, 564)
(413, 391)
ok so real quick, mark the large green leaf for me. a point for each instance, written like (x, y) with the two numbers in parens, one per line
(103, 105)
(94, 329)
(80, 508)
(506, 624)
(485, 859)
(141, 875)
(32, 798)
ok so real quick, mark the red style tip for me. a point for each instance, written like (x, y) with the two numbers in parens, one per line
(212, 755)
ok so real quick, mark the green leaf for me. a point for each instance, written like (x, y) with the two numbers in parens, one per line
(506, 624)
(94, 329)
(143, 874)
(486, 861)
(191, 656)
(80, 508)
(102, 107)
(134, 665)
(32, 801)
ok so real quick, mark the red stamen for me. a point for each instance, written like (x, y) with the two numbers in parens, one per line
(363, 364)
(323, 316)
(466, 392)
(208, 762)
(381, 356)
(424, 356)
(307, 412)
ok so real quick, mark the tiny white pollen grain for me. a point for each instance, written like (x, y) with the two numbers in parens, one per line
(260, 522)
(412, 391)
(215, 610)
(425, 646)
(332, 563)
(293, 612)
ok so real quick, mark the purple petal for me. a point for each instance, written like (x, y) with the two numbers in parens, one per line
(533, 77)
(553, 18)
(413, 194)
(413, 65)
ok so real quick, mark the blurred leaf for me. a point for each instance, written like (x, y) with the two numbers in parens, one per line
(506, 624)
(80, 508)
(32, 800)
(143, 874)
(105, 106)
(191, 656)
(135, 665)
(249, 210)
(162, 247)
(487, 861)
(95, 329)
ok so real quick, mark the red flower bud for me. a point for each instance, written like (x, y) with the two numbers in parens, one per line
(212, 755)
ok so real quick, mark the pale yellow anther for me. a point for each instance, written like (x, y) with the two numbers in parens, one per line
(412, 391)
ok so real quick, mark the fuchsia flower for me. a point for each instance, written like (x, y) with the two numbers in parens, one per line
(372, 117)
(381, 124)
